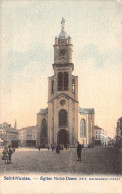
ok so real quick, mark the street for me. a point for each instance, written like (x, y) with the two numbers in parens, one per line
(99, 160)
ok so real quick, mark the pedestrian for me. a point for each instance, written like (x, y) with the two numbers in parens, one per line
(39, 148)
(79, 148)
(52, 147)
(10, 152)
(61, 147)
(5, 156)
(66, 146)
(58, 149)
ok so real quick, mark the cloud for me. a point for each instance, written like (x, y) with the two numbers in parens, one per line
(112, 56)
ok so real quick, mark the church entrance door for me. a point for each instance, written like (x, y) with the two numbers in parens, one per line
(63, 137)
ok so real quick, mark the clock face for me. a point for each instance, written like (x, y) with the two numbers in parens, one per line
(62, 52)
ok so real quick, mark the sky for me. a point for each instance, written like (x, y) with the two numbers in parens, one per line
(27, 33)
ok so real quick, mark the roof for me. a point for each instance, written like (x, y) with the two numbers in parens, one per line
(86, 110)
(63, 35)
(81, 110)
(29, 127)
(98, 128)
(43, 111)
(7, 127)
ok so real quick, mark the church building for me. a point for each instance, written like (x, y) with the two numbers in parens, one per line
(64, 122)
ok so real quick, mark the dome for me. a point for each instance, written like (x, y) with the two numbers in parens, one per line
(63, 35)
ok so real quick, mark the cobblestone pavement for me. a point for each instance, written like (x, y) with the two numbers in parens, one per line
(104, 160)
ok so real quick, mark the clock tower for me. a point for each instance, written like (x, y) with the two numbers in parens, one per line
(63, 94)
(62, 47)
(64, 122)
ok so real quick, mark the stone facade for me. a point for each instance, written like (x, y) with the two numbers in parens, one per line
(119, 133)
(28, 136)
(60, 122)
(86, 126)
(101, 137)
(8, 135)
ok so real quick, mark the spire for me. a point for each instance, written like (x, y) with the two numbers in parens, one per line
(63, 34)
(15, 125)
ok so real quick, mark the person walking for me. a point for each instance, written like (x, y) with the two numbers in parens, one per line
(79, 148)
(53, 147)
(5, 156)
(39, 148)
(10, 152)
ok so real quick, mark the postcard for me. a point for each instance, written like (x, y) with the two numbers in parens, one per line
(60, 97)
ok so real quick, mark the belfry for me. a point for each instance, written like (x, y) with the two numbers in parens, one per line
(64, 122)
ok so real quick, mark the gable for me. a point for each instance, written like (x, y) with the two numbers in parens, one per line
(62, 95)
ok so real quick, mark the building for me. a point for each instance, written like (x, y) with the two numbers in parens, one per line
(119, 133)
(110, 141)
(86, 126)
(101, 138)
(64, 122)
(28, 136)
(8, 135)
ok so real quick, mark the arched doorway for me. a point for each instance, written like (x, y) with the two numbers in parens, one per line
(63, 137)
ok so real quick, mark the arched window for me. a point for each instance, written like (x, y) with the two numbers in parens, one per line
(44, 128)
(73, 85)
(82, 128)
(65, 81)
(62, 117)
(60, 81)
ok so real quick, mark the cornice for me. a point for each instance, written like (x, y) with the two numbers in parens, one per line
(63, 65)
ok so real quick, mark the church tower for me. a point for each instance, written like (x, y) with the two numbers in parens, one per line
(64, 122)
(63, 94)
